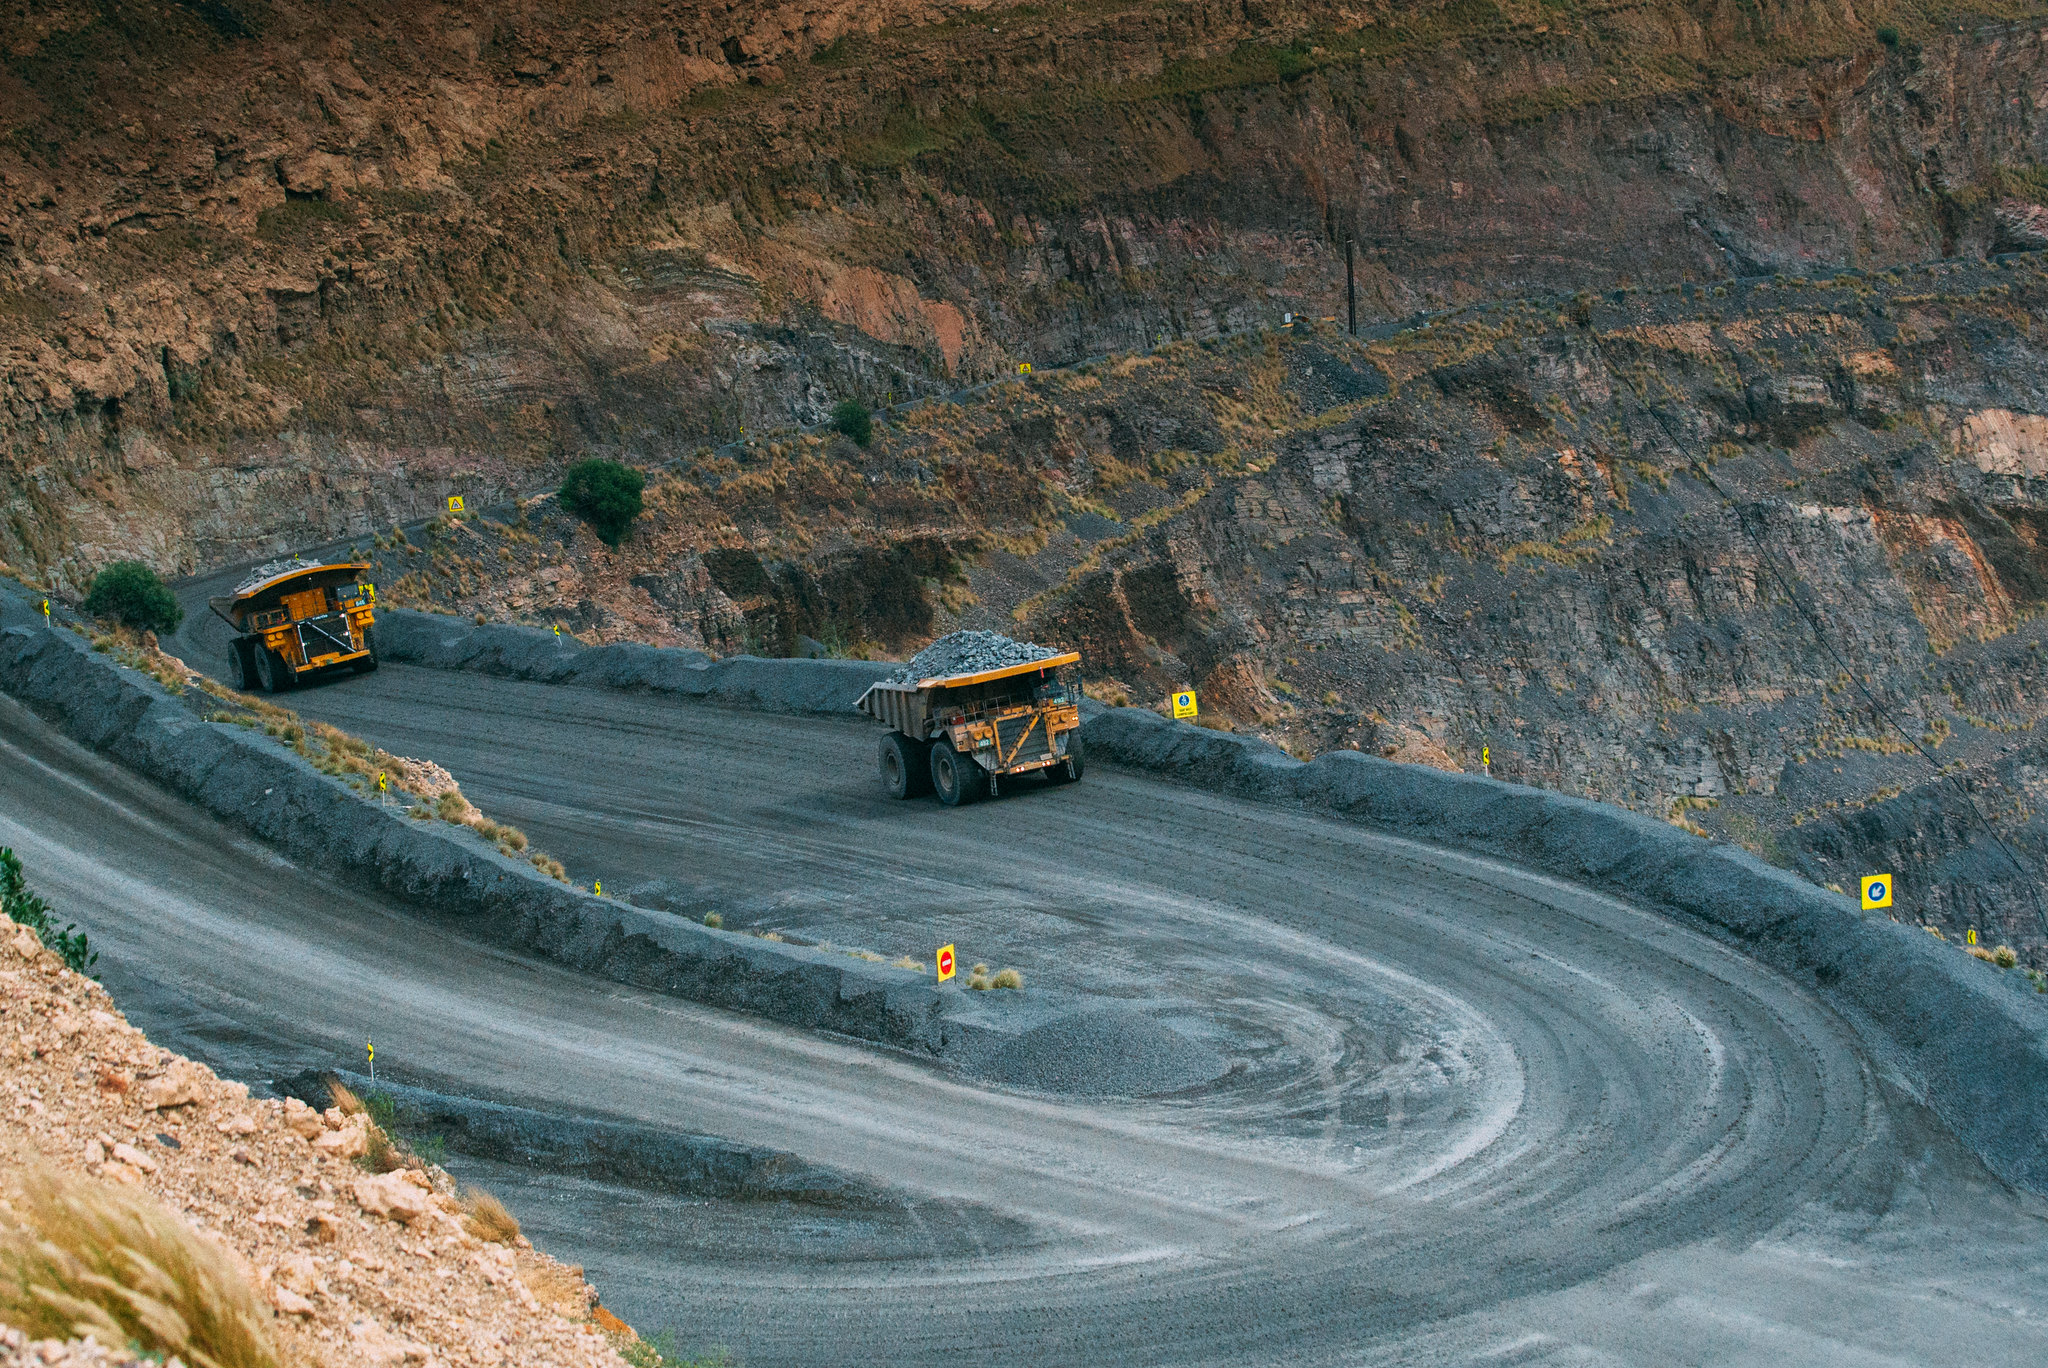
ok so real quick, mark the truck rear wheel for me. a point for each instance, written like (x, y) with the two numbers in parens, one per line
(906, 768)
(1068, 770)
(273, 670)
(241, 671)
(956, 778)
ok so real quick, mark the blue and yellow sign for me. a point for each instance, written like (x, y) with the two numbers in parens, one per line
(1877, 891)
(1184, 703)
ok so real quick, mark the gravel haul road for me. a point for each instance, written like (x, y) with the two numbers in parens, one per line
(1470, 1114)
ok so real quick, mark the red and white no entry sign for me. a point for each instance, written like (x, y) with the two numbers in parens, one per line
(945, 962)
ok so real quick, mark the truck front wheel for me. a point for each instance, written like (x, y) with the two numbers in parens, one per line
(906, 769)
(273, 670)
(955, 777)
(1067, 770)
(365, 664)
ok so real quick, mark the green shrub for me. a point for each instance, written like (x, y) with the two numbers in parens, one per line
(1888, 35)
(135, 594)
(851, 418)
(26, 908)
(604, 494)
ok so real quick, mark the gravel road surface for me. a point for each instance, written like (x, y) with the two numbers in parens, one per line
(1473, 1115)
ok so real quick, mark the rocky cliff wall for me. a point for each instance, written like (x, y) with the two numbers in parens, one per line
(275, 273)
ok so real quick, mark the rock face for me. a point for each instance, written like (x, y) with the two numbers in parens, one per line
(1759, 559)
(278, 272)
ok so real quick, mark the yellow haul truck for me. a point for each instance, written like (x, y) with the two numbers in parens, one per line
(293, 618)
(963, 735)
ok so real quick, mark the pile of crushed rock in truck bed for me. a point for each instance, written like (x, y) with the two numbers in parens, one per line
(960, 653)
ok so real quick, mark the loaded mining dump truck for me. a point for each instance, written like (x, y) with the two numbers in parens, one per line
(974, 710)
(297, 618)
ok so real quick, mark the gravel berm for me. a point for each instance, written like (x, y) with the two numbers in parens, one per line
(1971, 1041)
(261, 784)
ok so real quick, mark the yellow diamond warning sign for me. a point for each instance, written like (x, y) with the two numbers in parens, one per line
(1877, 891)
(945, 962)
(1184, 703)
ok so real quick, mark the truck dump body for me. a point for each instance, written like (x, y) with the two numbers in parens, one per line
(1013, 720)
(294, 617)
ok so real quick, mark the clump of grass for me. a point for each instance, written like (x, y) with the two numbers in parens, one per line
(452, 807)
(2005, 957)
(906, 962)
(109, 1264)
(550, 866)
(485, 1217)
(1007, 978)
(714, 920)
(660, 1351)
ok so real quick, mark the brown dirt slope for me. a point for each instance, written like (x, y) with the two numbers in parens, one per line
(361, 1268)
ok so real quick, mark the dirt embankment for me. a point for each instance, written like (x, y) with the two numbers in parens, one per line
(347, 1265)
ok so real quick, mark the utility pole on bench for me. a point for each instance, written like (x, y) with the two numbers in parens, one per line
(1350, 288)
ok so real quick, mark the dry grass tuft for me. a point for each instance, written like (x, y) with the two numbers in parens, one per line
(343, 1097)
(1007, 978)
(487, 1219)
(2005, 957)
(714, 920)
(105, 1263)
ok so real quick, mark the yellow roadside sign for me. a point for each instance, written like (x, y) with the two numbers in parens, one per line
(1184, 703)
(454, 503)
(945, 962)
(1023, 368)
(1877, 891)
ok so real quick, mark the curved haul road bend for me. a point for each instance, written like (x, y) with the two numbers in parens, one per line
(1473, 1115)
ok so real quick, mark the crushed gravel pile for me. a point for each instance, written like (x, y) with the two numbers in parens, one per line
(272, 569)
(970, 653)
(1116, 1052)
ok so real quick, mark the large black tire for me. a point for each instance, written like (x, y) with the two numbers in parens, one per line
(241, 670)
(906, 768)
(1068, 770)
(955, 777)
(365, 664)
(273, 670)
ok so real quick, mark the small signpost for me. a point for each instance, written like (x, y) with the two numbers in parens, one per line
(1877, 892)
(1184, 704)
(597, 887)
(1486, 760)
(454, 503)
(46, 612)
(945, 962)
(371, 1047)
(1023, 368)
